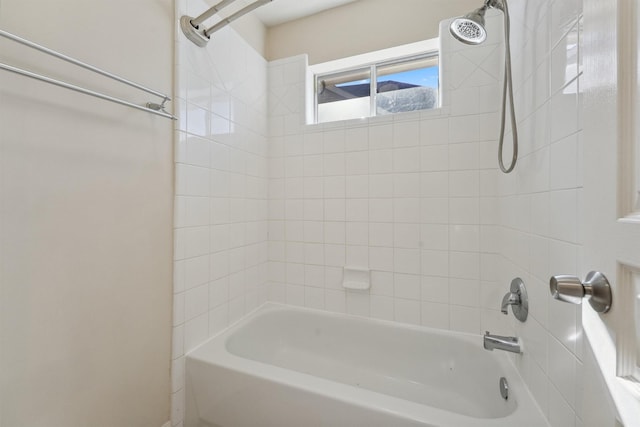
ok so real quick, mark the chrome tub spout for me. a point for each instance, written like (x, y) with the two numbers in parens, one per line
(499, 342)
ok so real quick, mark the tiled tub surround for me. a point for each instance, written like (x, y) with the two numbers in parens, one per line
(411, 196)
(221, 210)
(415, 197)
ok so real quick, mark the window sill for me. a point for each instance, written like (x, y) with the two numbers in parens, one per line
(378, 120)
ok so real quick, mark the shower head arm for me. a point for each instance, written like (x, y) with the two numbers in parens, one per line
(494, 4)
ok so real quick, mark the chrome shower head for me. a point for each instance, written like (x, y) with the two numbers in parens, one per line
(469, 29)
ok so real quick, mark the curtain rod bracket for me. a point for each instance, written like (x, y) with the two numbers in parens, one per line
(191, 26)
(192, 33)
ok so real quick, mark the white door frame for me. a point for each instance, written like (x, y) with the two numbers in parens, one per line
(612, 229)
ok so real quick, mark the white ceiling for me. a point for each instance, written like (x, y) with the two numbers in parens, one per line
(280, 11)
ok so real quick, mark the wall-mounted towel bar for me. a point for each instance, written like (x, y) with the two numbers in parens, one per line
(191, 26)
(150, 107)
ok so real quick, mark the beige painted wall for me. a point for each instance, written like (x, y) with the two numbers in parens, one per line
(362, 26)
(85, 219)
(253, 31)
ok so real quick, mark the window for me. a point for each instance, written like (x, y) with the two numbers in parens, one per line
(381, 88)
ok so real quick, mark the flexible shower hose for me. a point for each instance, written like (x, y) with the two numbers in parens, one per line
(507, 85)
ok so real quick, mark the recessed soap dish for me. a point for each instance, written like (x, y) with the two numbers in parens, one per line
(356, 279)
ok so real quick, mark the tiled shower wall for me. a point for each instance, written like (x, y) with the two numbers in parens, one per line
(412, 197)
(416, 197)
(220, 266)
(539, 203)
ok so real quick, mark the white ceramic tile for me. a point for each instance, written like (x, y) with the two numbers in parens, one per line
(358, 303)
(218, 292)
(434, 210)
(463, 156)
(434, 158)
(407, 260)
(335, 209)
(407, 311)
(196, 331)
(406, 159)
(407, 236)
(381, 259)
(334, 187)
(335, 255)
(464, 129)
(434, 236)
(334, 141)
(334, 232)
(464, 238)
(381, 161)
(560, 413)
(434, 315)
(381, 137)
(564, 163)
(465, 292)
(406, 185)
(381, 210)
(406, 134)
(357, 186)
(357, 210)
(464, 210)
(313, 188)
(407, 286)
(382, 307)
(464, 184)
(435, 263)
(464, 265)
(177, 407)
(564, 116)
(334, 164)
(295, 274)
(357, 139)
(464, 319)
(314, 298)
(218, 319)
(357, 256)
(196, 302)
(196, 271)
(313, 231)
(336, 301)
(357, 233)
(381, 185)
(312, 143)
(406, 210)
(562, 370)
(357, 163)
(434, 184)
(333, 277)
(314, 275)
(178, 309)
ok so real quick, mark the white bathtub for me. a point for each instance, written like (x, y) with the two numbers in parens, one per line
(292, 367)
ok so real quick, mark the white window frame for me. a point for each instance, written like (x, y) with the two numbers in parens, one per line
(375, 59)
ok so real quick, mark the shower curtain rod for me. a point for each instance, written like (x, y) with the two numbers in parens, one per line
(210, 12)
(191, 26)
(150, 106)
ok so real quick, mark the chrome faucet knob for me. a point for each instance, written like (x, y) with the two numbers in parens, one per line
(518, 299)
(510, 298)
